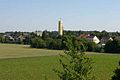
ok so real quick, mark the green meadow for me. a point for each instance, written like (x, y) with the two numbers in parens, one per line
(19, 62)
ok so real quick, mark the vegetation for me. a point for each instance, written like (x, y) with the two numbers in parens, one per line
(112, 46)
(89, 46)
(51, 40)
(48, 43)
(77, 66)
(117, 73)
(16, 51)
(38, 43)
(38, 64)
(37, 68)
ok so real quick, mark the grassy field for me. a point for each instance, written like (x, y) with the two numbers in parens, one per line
(16, 51)
(19, 62)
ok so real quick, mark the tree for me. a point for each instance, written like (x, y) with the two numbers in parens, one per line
(55, 44)
(75, 65)
(91, 46)
(2, 39)
(38, 43)
(112, 46)
(45, 34)
(116, 76)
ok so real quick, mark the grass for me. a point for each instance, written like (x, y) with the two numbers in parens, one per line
(37, 68)
(18, 62)
(104, 66)
(16, 51)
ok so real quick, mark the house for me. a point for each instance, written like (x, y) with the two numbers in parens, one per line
(38, 33)
(15, 37)
(105, 39)
(19, 38)
(8, 34)
(89, 37)
(96, 40)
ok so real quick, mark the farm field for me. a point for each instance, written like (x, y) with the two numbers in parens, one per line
(19, 62)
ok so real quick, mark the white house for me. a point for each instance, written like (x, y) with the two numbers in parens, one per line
(96, 40)
(39, 33)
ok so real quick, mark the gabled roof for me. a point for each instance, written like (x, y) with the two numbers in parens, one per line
(96, 40)
(90, 38)
(84, 35)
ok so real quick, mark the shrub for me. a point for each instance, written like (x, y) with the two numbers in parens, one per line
(116, 76)
(75, 65)
(91, 46)
(112, 46)
(38, 43)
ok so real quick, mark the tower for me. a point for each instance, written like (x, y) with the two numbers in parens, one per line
(60, 27)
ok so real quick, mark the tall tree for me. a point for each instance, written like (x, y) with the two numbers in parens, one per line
(75, 64)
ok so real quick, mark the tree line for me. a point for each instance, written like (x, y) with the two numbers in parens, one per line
(51, 40)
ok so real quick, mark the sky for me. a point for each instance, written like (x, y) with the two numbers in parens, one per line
(32, 15)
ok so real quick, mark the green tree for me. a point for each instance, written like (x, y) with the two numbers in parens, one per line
(38, 43)
(112, 46)
(45, 34)
(2, 39)
(55, 44)
(116, 76)
(91, 46)
(75, 65)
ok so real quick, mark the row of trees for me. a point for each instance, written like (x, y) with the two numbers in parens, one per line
(112, 46)
(94, 33)
(54, 34)
(58, 43)
(46, 43)
(51, 40)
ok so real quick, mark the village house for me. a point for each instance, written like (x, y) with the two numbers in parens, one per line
(105, 39)
(15, 37)
(38, 33)
(95, 39)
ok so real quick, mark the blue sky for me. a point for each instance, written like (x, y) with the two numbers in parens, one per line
(31, 15)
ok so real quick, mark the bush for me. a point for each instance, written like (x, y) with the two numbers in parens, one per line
(112, 46)
(2, 39)
(91, 46)
(75, 65)
(116, 76)
(55, 44)
(46, 43)
(38, 43)
(98, 48)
